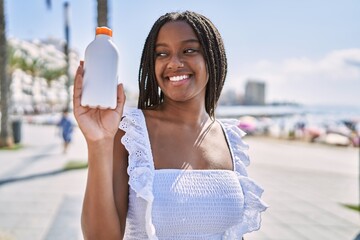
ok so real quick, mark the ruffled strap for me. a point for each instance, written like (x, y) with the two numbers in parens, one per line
(141, 165)
(253, 205)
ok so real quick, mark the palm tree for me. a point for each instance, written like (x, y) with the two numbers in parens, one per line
(6, 138)
(5, 133)
(102, 11)
(48, 4)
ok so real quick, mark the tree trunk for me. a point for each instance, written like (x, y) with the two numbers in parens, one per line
(5, 134)
(102, 11)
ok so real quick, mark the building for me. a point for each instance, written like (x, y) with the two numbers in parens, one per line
(254, 93)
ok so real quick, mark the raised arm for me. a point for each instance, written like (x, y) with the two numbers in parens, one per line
(100, 219)
(121, 179)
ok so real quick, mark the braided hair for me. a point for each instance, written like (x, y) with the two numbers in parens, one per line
(150, 94)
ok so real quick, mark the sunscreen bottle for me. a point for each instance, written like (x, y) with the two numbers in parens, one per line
(100, 72)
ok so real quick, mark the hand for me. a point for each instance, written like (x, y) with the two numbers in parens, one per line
(96, 124)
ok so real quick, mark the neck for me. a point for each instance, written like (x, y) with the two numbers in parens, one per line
(185, 113)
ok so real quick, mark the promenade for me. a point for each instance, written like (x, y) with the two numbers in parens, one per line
(305, 186)
(39, 201)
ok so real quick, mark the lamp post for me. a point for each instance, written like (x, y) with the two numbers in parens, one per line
(66, 52)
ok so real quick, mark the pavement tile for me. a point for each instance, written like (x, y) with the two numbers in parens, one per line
(28, 233)
(63, 225)
(305, 191)
(320, 232)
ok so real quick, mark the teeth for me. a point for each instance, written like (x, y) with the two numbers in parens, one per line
(178, 78)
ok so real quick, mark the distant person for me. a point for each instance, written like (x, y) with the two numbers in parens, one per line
(169, 169)
(66, 126)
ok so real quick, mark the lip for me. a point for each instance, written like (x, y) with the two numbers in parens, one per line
(178, 79)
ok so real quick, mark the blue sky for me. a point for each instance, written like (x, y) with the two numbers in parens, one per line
(306, 51)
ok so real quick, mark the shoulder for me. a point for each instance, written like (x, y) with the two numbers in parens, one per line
(228, 121)
(131, 111)
(133, 122)
(131, 116)
(232, 126)
(239, 148)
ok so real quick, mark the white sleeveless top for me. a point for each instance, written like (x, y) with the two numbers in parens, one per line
(180, 204)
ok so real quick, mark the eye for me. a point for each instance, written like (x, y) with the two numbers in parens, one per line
(191, 50)
(160, 54)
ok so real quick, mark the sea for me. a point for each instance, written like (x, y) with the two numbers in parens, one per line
(320, 112)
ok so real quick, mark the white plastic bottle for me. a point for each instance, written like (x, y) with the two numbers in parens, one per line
(100, 71)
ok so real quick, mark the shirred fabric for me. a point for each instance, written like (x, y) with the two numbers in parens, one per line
(253, 204)
(188, 204)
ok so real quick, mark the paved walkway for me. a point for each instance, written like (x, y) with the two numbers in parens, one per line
(305, 186)
(39, 201)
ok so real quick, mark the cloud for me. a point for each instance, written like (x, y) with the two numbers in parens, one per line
(331, 79)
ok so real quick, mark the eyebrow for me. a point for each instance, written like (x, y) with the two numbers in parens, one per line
(192, 40)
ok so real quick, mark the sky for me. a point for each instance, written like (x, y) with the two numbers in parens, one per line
(305, 51)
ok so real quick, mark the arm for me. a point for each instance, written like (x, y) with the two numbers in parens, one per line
(100, 219)
(121, 179)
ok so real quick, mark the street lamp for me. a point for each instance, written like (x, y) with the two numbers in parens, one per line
(66, 51)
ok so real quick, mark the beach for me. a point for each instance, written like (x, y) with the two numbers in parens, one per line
(305, 185)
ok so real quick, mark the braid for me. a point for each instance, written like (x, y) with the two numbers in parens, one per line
(214, 54)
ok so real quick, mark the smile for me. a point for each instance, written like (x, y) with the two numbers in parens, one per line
(178, 78)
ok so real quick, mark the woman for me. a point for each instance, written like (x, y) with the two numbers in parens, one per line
(171, 170)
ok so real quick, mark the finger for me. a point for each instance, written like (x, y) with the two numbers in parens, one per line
(120, 97)
(120, 93)
(78, 85)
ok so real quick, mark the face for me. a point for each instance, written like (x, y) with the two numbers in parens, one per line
(180, 66)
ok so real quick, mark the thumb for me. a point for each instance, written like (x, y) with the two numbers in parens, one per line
(120, 98)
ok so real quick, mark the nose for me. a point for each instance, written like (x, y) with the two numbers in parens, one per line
(175, 62)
